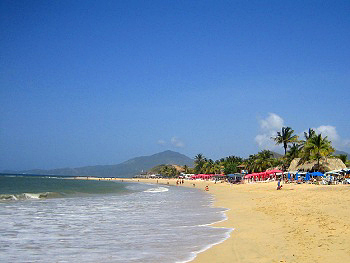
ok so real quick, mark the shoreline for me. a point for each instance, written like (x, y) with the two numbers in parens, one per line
(300, 223)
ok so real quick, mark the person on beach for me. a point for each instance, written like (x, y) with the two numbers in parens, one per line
(279, 186)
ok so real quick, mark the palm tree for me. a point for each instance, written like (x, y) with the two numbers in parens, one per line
(260, 162)
(317, 147)
(251, 162)
(199, 161)
(294, 151)
(309, 134)
(305, 155)
(263, 161)
(285, 137)
(185, 169)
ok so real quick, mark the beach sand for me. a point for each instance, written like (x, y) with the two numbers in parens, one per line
(300, 223)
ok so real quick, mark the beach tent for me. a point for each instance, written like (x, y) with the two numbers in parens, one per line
(288, 176)
(317, 174)
(296, 176)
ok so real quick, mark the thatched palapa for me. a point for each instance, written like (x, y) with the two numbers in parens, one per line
(326, 164)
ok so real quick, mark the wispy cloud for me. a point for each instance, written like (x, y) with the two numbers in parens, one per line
(329, 131)
(333, 136)
(161, 142)
(268, 128)
(177, 143)
(174, 141)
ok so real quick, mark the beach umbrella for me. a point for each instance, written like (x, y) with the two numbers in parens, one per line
(317, 174)
(273, 171)
(263, 175)
(307, 177)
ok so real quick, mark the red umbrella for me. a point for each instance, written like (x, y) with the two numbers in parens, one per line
(273, 171)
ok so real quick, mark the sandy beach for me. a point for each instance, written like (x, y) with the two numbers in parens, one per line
(301, 223)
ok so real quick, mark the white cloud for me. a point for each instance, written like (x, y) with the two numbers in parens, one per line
(174, 141)
(272, 122)
(330, 131)
(177, 143)
(333, 136)
(268, 129)
(161, 142)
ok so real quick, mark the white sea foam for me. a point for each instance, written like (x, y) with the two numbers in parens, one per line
(31, 196)
(157, 190)
(195, 253)
(173, 226)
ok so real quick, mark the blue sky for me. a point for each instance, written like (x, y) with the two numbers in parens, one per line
(99, 82)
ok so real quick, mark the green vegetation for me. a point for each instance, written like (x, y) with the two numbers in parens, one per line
(224, 165)
(317, 147)
(261, 161)
(313, 147)
(343, 157)
(166, 170)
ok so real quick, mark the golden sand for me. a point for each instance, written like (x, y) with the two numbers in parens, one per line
(300, 223)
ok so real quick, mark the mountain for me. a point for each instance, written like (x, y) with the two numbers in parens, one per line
(276, 155)
(337, 152)
(126, 169)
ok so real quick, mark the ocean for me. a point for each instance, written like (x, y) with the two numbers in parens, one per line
(63, 220)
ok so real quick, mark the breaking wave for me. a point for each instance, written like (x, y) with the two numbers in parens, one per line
(157, 190)
(27, 196)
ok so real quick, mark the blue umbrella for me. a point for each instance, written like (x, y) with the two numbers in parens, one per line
(307, 177)
(317, 174)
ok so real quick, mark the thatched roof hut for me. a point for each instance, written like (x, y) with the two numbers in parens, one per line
(326, 164)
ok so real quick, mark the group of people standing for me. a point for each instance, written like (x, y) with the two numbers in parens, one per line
(180, 182)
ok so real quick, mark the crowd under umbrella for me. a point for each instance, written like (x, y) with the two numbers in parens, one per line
(317, 174)
(307, 177)
(262, 175)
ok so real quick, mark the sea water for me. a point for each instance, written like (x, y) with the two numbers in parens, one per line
(65, 220)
